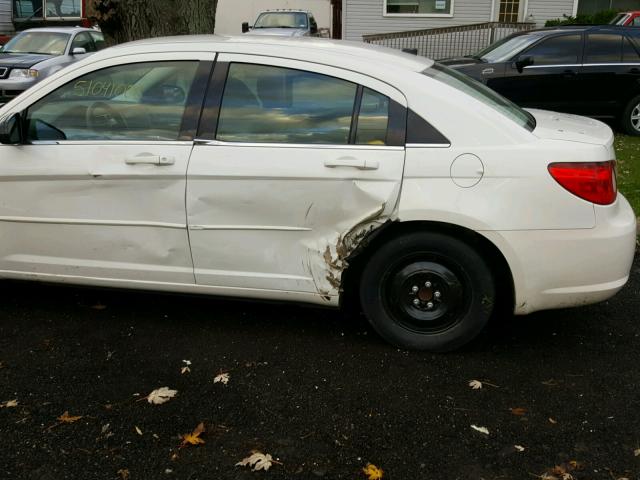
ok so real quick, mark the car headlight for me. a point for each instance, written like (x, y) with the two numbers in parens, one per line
(23, 73)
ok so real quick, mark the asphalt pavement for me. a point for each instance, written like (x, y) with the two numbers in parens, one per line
(318, 391)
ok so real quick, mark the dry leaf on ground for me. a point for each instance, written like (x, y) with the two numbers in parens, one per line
(257, 461)
(222, 378)
(186, 368)
(66, 418)
(519, 448)
(193, 438)
(372, 472)
(480, 429)
(552, 421)
(123, 473)
(636, 452)
(475, 384)
(161, 395)
(9, 404)
(138, 431)
(518, 411)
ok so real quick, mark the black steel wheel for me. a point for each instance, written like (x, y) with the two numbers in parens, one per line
(427, 291)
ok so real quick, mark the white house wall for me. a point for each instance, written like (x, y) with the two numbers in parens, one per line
(5, 17)
(231, 13)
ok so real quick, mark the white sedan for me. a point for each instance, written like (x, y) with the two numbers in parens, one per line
(311, 171)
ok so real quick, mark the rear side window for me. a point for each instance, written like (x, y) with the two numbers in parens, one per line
(629, 52)
(603, 48)
(98, 40)
(563, 49)
(265, 104)
(373, 119)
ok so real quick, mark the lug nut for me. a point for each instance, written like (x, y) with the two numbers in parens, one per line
(416, 302)
(427, 284)
(430, 305)
(437, 294)
(415, 289)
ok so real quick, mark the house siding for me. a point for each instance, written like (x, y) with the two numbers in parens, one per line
(6, 27)
(364, 17)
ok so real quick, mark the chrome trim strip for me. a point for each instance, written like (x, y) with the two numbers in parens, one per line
(428, 145)
(73, 221)
(554, 66)
(586, 65)
(111, 142)
(249, 227)
(218, 143)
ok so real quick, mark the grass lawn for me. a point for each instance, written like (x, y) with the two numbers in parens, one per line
(628, 153)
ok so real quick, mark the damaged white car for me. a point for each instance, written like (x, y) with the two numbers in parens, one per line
(311, 171)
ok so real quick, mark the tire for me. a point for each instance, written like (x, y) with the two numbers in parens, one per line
(455, 295)
(631, 117)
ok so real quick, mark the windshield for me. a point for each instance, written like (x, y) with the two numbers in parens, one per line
(506, 49)
(46, 43)
(282, 20)
(480, 92)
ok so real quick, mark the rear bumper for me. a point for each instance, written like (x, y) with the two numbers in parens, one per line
(569, 268)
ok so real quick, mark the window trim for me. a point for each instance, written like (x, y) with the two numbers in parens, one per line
(419, 15)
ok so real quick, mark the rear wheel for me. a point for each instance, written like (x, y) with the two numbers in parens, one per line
(427, 291)
(631, 117)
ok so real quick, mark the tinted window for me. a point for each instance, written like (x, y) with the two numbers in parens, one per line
(603, 48)
(629, 53)
(98, 40)
(143, 101)
(373, 119)
(565, 49)
(83, 40)
(281, 105)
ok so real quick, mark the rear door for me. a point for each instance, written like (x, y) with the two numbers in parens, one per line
(303, 160)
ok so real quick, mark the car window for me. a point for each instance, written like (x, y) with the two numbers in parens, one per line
(635, 22)
(281, 20)
(98, 40)
(47, 43)
(629, 53)
(282, 105)
(559, 50)
(373, 119)
(83, 40)
(603, 48)
(143, 101)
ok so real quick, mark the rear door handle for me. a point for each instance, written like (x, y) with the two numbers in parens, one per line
(150, 159)
(352, 162)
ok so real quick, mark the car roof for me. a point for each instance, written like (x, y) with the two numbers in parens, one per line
(285, 10)
(60, 29)
(576, 28)
(342, 53)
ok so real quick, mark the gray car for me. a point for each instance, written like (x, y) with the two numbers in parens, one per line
(283, 23)
(37, 53)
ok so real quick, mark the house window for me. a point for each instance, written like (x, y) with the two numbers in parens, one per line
(49, 9)
(419, 7)
(509, 10)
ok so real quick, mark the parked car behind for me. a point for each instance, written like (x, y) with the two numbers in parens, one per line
(37, 53)
(283, 23)
(627, 19)
(312, 171)
(586, 70)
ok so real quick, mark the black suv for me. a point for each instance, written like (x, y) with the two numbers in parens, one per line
(586, 70)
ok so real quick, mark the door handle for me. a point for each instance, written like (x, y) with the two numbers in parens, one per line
(150, 159)
(352, 162)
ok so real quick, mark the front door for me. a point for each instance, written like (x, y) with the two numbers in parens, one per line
(281, 187)
(97, 191)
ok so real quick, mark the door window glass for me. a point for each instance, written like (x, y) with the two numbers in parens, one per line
(98, 40)
(629, 53)
(373, 119)
(560, 50)
(83, 40)
(603, 48)
(143, 101)
(280, 105)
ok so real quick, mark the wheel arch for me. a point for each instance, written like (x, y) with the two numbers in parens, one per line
(497, 262)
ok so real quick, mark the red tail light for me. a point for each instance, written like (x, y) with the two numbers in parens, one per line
(591, 181)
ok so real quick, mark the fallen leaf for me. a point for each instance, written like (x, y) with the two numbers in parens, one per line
(475, 384)
(221, 378)
(193, 438)
(636, 452)
(373, 472)
(161, 395)
(257, 461)
(552, 420)
(184, 370)
(520, 412)
(99, 306)
(9, 404)
(138, 431)
(519, 448)
(66, 418)
(550, 383)
(480, 429)
(123, 473)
